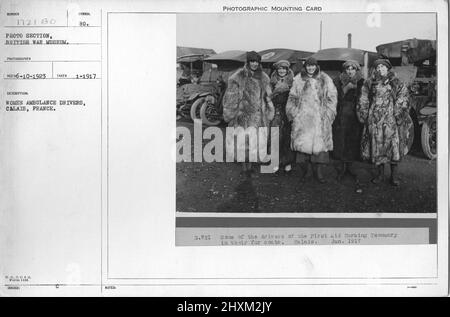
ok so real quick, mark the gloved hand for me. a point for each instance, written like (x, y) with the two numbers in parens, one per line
(349, 86)
(270, 110)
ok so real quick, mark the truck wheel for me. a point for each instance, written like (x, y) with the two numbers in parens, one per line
(195, 108)
(429, 138)
(184, 112)
(209, 114)
(416, 140)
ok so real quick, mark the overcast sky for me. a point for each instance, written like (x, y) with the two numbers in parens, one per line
(299, 31)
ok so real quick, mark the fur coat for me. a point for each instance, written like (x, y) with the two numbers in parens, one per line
(246, 104)
(311, 107)
(383, 108)
(280, 92)
(346, 127)
(281, 84)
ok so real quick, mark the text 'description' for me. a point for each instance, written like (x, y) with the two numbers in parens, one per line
(52, 60)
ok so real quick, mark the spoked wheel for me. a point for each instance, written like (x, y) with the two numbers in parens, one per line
(209, 114)
(195, 109)
(185, 111)
(429, 138)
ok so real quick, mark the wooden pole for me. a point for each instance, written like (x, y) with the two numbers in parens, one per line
(320, 44)
(366, 65)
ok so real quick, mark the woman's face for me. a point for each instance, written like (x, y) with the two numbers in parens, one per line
(382, 70)
(310, 69)
(253, 65)
(351, 71)
(282, 71)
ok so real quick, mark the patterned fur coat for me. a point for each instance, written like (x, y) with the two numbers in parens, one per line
(312, 108)
(383, 108)
(245, 103)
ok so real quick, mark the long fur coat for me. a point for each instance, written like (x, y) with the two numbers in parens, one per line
(346, 127)
(280, 93)
(383, 108)
(311, 107)
(245, 105)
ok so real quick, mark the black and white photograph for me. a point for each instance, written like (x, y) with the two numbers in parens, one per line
(224, 148)
(352, 97)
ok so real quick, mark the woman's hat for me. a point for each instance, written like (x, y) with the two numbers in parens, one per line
(311, 61)
(351, 63)
(382, 61)
(282, 63)
(253, 56)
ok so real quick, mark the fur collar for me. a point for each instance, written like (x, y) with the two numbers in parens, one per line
(257, 74)
(305, 75)
(288, 78)
(244, 73)
(390, 78)
(345, 79)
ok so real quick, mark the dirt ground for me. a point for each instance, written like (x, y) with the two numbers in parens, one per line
(220, 187)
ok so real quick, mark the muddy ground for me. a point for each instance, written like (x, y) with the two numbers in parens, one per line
(220, 187)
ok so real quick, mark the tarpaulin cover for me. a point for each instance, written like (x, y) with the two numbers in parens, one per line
(191, 58)
(228, 60)
(233, 56)
(415, 49)
(344, 54)
(276, 54)
(182, 51)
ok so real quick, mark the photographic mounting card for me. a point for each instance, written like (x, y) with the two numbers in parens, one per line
(115, 134)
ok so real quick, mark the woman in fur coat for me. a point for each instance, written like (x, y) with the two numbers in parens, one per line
(281, 82)
(246, 103)
(346, 127)
(311, 107)
(384, 110)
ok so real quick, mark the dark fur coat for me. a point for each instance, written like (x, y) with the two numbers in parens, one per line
(346, 127)
(245, 104)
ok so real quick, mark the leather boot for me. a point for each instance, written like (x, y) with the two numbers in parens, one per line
(341, 171)
(350, 170)
(394, 175)
(303, 170)
(246, 169)
(379, 174)
(318, 171)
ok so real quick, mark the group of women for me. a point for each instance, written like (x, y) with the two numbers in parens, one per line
(352, 117)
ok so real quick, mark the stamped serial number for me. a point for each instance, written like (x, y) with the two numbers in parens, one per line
(27, 76)
(37, 22)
